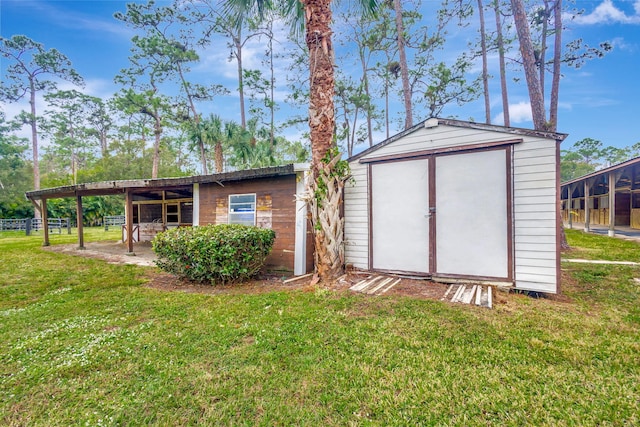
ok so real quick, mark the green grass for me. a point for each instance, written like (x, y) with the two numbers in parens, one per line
(592, 246)
(83, 342)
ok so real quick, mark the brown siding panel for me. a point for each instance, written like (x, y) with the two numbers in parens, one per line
(276, 209)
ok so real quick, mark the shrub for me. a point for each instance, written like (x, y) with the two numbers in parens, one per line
(213, 253)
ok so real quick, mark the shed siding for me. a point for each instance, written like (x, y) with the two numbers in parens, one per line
(276, 209)
(534, 199)
(440, 137)
(356, 213)
(534, 212)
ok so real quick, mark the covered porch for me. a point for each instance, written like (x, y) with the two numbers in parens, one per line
(151, 206)
(264, 197)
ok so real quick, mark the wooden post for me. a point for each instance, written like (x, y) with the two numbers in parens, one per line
(45, 220)
(79, 214)
(612, 204)
(570, 206)
(129, 221)
(587, 213)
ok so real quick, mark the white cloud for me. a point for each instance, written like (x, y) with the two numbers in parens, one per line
(620, 43)
(518, 113)
(76, 20)
(607, 13)
(95, 87)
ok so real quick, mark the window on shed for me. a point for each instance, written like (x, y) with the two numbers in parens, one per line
(242, 209)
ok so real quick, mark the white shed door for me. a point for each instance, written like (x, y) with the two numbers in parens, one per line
(471, 214)
(400, 207)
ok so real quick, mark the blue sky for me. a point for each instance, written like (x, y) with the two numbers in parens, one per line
(599, 101)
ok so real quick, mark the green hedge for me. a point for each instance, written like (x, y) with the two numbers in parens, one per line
(214, 253)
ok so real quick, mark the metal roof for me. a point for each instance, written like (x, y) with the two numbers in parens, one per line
(118, 187)
(626, 163)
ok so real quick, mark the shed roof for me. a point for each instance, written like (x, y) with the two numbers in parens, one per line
(435, 121)
(118, 187)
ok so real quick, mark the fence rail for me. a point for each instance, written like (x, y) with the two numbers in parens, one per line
(113, 220)
(34, 224)
(12, 224)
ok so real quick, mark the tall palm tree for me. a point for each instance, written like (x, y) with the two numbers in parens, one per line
(209, 132)
(252, 147)
(325, 190)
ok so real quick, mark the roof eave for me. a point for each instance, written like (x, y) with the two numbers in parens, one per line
(117, 187)
(559, 137)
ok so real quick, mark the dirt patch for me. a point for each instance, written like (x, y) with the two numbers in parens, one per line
(415, 288)
(112, 252)
(262, 284)
(116, 253)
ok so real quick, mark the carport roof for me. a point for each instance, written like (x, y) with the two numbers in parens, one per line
(119, 187)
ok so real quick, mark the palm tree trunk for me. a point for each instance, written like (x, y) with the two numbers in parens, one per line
(324, 205)
(322, 81)
(219, 157)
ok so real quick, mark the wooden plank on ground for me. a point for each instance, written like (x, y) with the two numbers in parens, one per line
(458, 293)
(295, 279)
(360, 287)
(390, 286)
(490, 302)
(360, 284)
(484, 300)
(468, 295)
(444, 297)
(478, 295)
(374, 289)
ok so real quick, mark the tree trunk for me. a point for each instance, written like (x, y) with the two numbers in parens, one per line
(503, 68)
(386, 108)
(327, 220)
(272, 102)
(325, 208)
(542, 54)
(485, 71)
(365, 84)
(404, 70)
(34, 137)
(322, 81)
(156, 147)
(34, 141)
(196, 120)
(529, 64)
(238, 44)
(555, 80)
(218, 157)
(104, 144)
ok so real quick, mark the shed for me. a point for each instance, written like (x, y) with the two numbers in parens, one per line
(265, 197)
(455, 200)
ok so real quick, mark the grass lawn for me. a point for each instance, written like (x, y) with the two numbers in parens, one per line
(83, 342)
